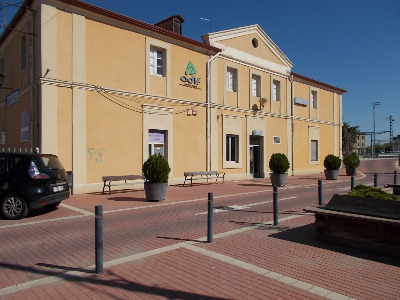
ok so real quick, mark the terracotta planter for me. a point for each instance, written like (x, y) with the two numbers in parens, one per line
(155, 191)
(278, 179)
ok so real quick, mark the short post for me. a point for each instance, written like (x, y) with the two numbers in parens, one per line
(352, 182)
(320, 192)
(275, 202)
(375, 179)
(395, 177)
(210, 218)
(99, 238)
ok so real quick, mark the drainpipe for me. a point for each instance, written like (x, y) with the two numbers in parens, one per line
(292, 117)
(208, 150)
(31, 80)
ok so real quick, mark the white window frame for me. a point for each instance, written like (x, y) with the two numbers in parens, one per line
(277, 139)
(232, 148)
(314, 99)
(276, 90)
(231, 79)
(24, 126)
(157, 61)
(256, 85)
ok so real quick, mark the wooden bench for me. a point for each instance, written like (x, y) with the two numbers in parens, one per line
(205, 175)
(110, 181)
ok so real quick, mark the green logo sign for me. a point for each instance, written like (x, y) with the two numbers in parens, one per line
(190, 71)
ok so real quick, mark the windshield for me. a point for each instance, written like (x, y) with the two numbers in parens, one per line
(51, 162)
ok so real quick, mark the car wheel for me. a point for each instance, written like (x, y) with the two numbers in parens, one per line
(13, 207)
(53, 205)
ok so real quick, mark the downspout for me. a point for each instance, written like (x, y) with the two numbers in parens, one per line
(208, 150)
(292, 117)
(31, 80)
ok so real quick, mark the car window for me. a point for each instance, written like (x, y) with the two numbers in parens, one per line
(3, 165)
(51, 162)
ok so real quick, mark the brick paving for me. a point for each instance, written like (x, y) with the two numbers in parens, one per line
(245, 261)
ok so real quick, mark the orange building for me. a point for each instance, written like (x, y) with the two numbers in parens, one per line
(103, 91)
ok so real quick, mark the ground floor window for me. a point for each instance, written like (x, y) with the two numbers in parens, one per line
(232, 148)
(314, 150)
(158, 142)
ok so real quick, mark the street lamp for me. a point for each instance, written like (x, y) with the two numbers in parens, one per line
(373, 111)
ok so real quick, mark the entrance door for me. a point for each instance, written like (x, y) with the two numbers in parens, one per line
(255, 157)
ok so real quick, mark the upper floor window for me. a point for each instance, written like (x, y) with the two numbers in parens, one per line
(231, 79)
(3, 137)
(23, 52)
(256, 85)
(276, 90)
(24, 126)
(157, 61)
(314, 98)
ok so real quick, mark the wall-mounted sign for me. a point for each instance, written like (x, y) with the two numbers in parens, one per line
(189, 79)
(300, 101)
(257, 132)
(12, 98)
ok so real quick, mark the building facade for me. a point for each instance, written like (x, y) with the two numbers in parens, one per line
(104, 91)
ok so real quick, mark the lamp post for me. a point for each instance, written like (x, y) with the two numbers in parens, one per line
(373, 111)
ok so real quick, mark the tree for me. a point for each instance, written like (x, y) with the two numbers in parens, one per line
(349, 137)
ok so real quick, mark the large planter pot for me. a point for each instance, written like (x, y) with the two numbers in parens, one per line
(351, 171)
(331, 174)
(155, 191)
(278, 179)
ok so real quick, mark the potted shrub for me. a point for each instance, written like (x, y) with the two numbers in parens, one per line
(156, 172)
(279, 165)
(332, 164)
(351, 163)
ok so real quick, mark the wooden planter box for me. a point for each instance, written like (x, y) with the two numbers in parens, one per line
(368, 224)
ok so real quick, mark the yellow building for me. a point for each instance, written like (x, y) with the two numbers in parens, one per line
(104, 91)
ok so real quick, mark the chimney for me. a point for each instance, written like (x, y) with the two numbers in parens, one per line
(173, 23)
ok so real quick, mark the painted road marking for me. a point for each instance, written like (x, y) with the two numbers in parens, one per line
(239, 207)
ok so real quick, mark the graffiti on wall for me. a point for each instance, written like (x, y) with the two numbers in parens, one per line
(96, 154)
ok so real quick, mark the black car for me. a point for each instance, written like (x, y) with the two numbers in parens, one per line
(29, 181)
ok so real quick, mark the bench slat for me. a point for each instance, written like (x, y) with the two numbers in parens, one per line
(198, 175)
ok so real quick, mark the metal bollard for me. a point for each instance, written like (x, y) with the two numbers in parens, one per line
(275, 202)
(99, 238)
(320, 192)
(375, 179)
(395, 177)
(210, 218)
(352, 182)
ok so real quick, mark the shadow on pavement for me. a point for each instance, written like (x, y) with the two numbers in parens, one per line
(306, 235)
(110, 279)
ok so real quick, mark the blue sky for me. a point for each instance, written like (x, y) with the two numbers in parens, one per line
(351, 44)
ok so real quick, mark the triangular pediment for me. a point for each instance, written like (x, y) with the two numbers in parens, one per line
(252, 45)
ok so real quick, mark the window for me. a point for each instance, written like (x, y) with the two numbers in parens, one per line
(314, 99)
(276, 90)
(314, 150)
(23, 52)
(3, 137)
(231, 75)
(24, 126)
(256, 84)
(277, 139)
(156, 61)
(158, 142)
(232, 143)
